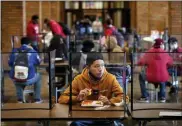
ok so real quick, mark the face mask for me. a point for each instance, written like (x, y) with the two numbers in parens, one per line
(171, 46)
(162, 46)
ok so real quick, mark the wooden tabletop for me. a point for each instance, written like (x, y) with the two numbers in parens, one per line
(160, 107)
(98, 114)
(106, 112)
(59, 111)
(7, 106)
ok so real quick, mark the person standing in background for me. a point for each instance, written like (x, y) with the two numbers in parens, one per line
(55, 27)
(97, 28)
(165, 38)
(33, 31)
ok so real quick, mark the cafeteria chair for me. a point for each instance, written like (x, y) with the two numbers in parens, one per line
(28, 90)
(153, 90)
(60, 84)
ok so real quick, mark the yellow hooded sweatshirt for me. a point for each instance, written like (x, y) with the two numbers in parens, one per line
(108, 82)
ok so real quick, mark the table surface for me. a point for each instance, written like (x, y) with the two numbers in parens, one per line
(153, 113)
(59, 111)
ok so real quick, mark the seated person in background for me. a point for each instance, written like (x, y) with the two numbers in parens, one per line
(111, 44)
(79, 59)
(23, 72)
(156, 61)
(93, 77)
(116, 60)
(177, 56)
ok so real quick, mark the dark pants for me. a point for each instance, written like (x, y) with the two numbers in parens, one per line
(144, 92)
(92, 123)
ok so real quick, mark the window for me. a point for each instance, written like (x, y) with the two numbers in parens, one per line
(72, 5)
(92, 5)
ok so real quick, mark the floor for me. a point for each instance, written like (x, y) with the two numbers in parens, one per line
(10, 97)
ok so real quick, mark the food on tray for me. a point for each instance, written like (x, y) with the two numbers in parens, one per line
(91, 103)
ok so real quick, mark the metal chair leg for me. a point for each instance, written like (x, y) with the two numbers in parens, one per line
(56, 94)
(140, 123)
(156, 95)
(175, 123)
(144, 123)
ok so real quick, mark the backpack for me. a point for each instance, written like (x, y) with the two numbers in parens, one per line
(65, 28)
(21, 66)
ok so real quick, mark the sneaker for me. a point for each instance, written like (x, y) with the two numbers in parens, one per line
(162, 100)
(20, 101)
(144, 100)
(38, 101)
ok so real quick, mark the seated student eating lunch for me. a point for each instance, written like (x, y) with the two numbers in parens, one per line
(94, 83)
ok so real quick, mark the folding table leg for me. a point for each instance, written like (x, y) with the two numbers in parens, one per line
(44, 122)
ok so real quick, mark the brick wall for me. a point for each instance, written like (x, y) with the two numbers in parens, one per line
(11, 22)
(55, 10)
(12, 17)
(151, 16)
(142, 17)
(32, 8)
(158, 15)
(145, 16)
(176, 17)
(132, 6)
(46, 10)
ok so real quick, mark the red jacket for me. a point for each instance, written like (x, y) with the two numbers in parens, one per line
(56, 28)
(33, 31)
(157, 62)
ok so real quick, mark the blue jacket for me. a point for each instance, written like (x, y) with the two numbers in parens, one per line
(33, 58)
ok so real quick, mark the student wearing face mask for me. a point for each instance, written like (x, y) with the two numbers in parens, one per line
(176, 54)
(156, 61)
(96, 78)
(173, 45)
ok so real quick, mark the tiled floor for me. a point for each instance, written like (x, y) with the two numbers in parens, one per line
(10, 96)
